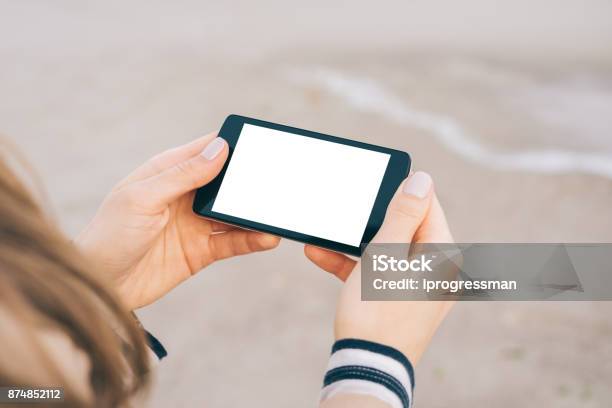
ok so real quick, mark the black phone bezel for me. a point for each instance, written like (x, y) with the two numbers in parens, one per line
(397, 170)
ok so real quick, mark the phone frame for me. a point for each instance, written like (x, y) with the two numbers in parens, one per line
(397, 170)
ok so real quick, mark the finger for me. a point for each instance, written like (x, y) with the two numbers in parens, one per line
(434, 228)
(406, 210)
(169, 158)
(183, 177)
(221, 227)
(332, 262)
(241, 242)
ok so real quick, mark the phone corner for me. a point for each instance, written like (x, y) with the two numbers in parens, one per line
(406, 157)
(403, 160)
(232, 117)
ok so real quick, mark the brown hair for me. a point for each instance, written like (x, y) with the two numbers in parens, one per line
(48, 288)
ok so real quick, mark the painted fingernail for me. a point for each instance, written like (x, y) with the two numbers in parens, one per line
(418, 184)
(213, 149)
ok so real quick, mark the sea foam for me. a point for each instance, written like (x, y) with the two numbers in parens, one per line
(367, 95)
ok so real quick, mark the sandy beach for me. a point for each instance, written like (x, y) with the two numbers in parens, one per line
(516, 138)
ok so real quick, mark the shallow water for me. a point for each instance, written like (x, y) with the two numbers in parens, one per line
(578, 117)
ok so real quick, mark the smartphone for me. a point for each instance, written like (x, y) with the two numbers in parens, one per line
(306, 186)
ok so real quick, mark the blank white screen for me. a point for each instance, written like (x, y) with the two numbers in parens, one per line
(302, 184)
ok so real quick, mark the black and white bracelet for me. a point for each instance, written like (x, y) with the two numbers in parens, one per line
(364, 367)
(152, 342)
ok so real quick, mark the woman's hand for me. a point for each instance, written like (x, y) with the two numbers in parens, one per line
(414, 215)
(145, 235)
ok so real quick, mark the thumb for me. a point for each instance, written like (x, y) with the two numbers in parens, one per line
(187, 175)
(407, 210)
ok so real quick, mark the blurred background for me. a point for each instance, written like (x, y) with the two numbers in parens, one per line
(508, 104)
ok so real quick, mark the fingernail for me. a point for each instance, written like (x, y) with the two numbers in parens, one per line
(418, 184)
(213, 149)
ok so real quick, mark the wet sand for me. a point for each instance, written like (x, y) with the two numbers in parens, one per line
(257, 331)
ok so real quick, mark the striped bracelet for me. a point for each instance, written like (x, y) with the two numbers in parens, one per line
(364, 367)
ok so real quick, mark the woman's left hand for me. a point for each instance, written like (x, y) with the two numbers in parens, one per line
(145, 235)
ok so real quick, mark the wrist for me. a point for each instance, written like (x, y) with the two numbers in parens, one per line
(113, 274)
(410, 343)
(86, 244)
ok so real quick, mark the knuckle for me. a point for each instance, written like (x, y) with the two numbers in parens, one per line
(130, 198)
(187, 172)
(157, 162)
(252, 244)
(407, 209)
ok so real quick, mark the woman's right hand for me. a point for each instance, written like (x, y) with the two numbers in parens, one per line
(414, 215)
